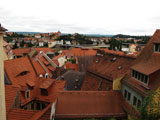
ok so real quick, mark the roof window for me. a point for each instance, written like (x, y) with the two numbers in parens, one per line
(23, 73)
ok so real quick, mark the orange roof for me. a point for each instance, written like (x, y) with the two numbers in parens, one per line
(92, 83)
(69, 65)
(46, 83)
(15, 67)
(20, 114)
(110, 66)
(147, 63)
(83, 52)
(84, 104)
(10, 93)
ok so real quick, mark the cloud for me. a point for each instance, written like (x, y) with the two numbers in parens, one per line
(83, 16)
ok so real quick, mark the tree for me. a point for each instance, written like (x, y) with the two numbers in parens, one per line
(150, 108)
(15, 45)
(22, 44)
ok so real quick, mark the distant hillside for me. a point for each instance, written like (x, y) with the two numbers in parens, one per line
(91, 35)
(130, 36)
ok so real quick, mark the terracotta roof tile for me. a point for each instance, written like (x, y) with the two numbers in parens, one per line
(20, 114)
(15, 67)
(83, 104)
(148, 63)
(10, 95)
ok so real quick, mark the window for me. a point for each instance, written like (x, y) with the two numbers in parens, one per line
(134, 100)
(139, 103)
(140, 77)
(23, 73)
(125, 93)
(38, 106)
(157, 47)
(129, 96)
(146, 79)
(27, 94)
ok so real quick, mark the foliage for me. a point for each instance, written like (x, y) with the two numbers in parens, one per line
(115, 44)
(150, 108)
(81, 39)
(56, 53)
(15, 45)
(22, 43)
(73, 61)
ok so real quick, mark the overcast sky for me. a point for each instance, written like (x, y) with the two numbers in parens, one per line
(134, 17)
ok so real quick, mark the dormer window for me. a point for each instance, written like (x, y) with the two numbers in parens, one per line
(23, 73)
(156, 47)
(27, 93)
(140, 77)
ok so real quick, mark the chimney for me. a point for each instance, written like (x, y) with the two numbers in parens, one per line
(2, 86)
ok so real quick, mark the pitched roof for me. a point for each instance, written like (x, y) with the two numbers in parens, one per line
(73, 79)
(83, 104)
(95, 83)
(15, 67)
(147, 63)
(10, 96)
(110, 66)
(71, 66)
(20, 114)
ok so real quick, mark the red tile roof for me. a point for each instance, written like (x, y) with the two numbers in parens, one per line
(10, 92)
(147, 63)
(110, 66)
(20, 114)
(92, 83)
(83, 104)
(46, 83)
(83, 52)
(15, 67)
(69, 65)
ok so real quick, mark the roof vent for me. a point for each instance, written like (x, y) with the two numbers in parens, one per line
(46, 75)
(40, 75)
(97, 61)
(75, 87)
(119, 67)
(41, 52)
(114, 59)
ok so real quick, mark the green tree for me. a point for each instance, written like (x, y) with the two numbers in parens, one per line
(150, 108)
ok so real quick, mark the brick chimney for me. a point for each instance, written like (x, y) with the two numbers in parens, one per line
(2, 84)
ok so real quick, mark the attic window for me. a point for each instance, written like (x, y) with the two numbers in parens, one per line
(27, 93)
(23, 73)
(140, 77)
(119, 67)
(157, 47)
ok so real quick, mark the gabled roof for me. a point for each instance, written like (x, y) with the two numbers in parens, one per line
(147, 63)
(84, 104)
(15, 67)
